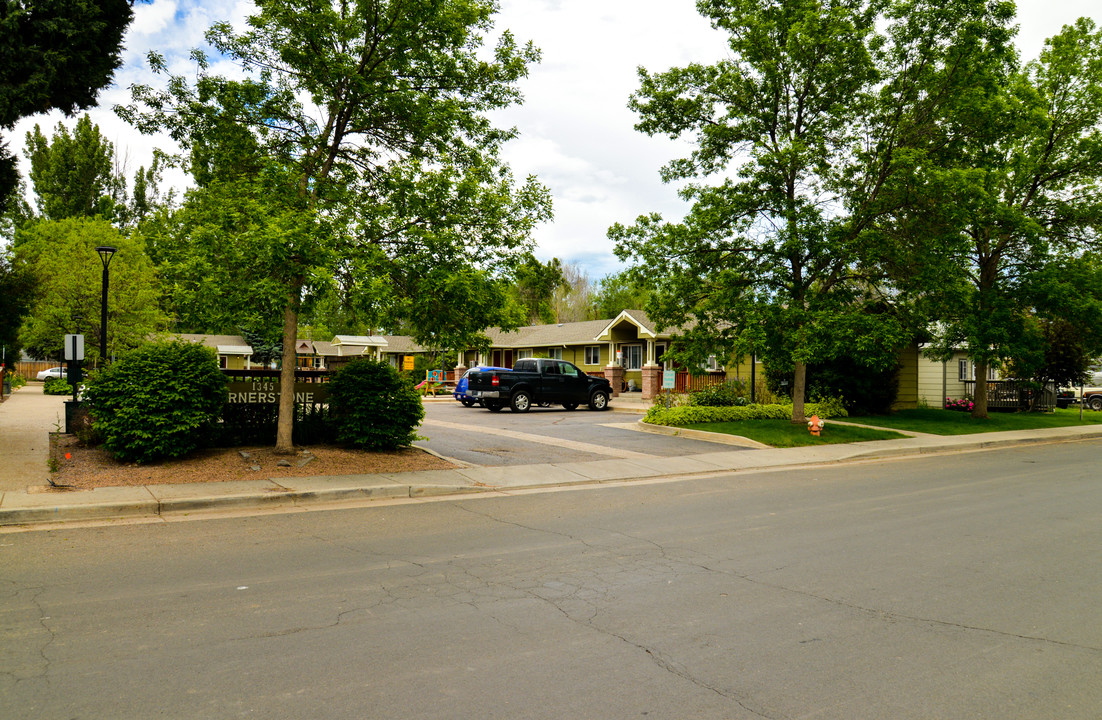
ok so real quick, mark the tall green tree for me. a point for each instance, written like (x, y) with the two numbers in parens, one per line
(61, 258)
(618, 292)
(372, 114)
(763, 261)
(534, 288)
(1003, 189)
(73, 175)
(16, 294)
(78, 175)
(54, 55)
(572, 300)
(220, 257)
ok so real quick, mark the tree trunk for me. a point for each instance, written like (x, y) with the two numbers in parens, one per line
(286, 424)
(979, 402)
(799, 383)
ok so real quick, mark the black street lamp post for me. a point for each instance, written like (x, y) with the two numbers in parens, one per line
(105, 253)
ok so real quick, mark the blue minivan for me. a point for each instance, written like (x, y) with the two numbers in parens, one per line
(460, 393)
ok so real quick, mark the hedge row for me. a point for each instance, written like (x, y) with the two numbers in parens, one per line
(692, 414)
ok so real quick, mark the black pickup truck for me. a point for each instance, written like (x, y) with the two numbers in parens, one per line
(538, 380)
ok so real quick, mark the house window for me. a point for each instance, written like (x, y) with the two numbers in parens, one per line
(633, 357)
(554, 353)
(222, 362)
(712, 365)
(523, 354)
(659, 353)
(962, 371)
(593, 355)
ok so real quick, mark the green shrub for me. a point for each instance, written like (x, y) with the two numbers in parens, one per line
(727, 394)
(681, 416)
(56, 386)
(161, 400)
(373, 407)
(828, 407)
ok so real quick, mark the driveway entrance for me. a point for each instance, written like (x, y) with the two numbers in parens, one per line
(479, 437)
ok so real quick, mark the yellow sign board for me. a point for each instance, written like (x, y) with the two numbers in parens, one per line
(407, 362)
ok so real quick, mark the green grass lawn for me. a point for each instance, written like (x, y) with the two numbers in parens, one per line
(782, 433)
(950, 422)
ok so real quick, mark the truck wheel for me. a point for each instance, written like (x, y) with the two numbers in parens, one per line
(493, 406)
(598, 400)
(520, 402)
(570, 405)
(1096, 402)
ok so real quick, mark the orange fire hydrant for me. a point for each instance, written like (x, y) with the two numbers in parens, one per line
(815, 425)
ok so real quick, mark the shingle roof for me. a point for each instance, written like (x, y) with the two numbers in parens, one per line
(226, 344)
(401, 344)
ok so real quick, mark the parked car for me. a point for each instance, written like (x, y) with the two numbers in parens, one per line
(535, 381)
(54, 372)
(460, 393)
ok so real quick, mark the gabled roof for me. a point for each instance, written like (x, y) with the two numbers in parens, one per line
(575, 333)
(322, 347)
(223, 344)
(365, 340)
(638, 318)
(402, 344)
(346, 345)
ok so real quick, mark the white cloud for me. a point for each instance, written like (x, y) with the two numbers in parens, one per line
(152, 18)
(577, 133)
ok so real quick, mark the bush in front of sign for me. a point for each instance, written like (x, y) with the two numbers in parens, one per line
(161, 400)
(373, 407)
(56, 386)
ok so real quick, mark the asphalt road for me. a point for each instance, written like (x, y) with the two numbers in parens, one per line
(543, 435)
(950, 587)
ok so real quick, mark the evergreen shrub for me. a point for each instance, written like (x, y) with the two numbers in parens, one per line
(373, 407)
(160, 400)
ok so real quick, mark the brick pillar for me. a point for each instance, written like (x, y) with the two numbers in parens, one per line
(652, 381)
(615, 375)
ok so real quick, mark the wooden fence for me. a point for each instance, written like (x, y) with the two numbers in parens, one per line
(1014, 395)
(685, 382)
(28, 369)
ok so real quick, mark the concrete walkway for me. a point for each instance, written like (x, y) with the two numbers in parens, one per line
(27, 417)
(23, 505)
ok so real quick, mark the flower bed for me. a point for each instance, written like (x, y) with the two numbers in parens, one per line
(964, 404)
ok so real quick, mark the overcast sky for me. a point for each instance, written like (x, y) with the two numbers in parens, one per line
(577, 134)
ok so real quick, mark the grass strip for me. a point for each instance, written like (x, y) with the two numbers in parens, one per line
(950, 422)
(783, 434)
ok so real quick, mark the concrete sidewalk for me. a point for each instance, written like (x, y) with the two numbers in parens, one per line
(22, 506)
(27, 417)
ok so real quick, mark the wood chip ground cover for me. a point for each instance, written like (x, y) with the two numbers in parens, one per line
(83, 468)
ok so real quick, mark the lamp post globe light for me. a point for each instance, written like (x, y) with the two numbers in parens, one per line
(105, 254)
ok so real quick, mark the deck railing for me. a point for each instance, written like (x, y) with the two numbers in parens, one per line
(1014, 395)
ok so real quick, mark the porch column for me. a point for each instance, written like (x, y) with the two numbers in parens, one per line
(652, 374)
(460, 366)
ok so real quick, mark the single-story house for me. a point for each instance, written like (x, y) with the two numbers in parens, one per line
(628, 349)
(234, 353)
(940, 380)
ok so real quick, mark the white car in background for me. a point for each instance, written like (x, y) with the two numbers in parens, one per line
(54, 372)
